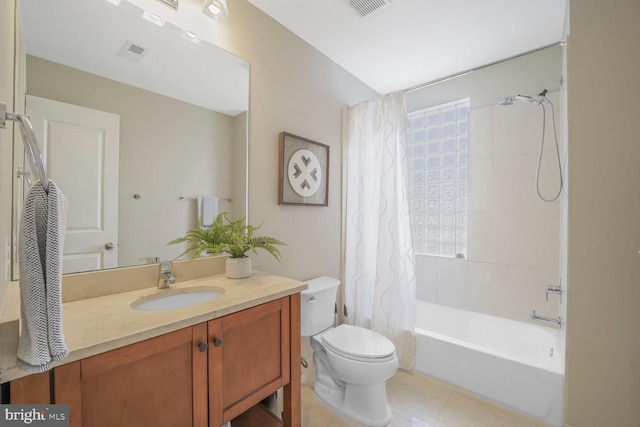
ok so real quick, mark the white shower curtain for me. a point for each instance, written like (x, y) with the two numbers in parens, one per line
(379, 261)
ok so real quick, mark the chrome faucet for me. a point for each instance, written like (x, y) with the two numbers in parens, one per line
(166, 275)
(554, 290)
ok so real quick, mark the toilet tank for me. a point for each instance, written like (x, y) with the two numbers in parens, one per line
(317, 305)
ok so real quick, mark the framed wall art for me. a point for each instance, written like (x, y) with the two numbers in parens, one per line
(304, 172)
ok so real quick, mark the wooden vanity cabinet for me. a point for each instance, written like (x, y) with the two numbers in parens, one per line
(32, 389)
(248, 360)
(203, 375)
(156, 382)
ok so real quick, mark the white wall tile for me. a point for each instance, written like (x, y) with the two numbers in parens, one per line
(517, 291)
(480, 133)
(517, 129)
(480, 184)
(464, 284)
(480, 236)
(426, 278)
(514, 237)
(514, 182)
(526, 238)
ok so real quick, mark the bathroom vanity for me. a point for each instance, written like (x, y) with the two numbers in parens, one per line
(200, 365)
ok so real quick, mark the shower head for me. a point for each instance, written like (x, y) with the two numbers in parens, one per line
(507, 100)
(529, 99)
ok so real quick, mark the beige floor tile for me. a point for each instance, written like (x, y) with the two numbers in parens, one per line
(315, 413)
(465, 411)
(343, 422)
(397, 421)
(416, 397)
(418, 400)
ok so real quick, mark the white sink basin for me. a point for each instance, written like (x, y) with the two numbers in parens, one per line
(177, 298)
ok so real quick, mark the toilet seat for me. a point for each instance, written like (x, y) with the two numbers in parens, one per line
(356, 343)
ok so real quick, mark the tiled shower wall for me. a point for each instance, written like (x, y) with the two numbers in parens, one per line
(514, 237)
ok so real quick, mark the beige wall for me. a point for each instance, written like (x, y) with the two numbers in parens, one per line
(239, 165)
(168, 148)
(603, 325)
(296, 89)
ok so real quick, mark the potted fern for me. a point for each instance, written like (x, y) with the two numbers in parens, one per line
(234, 238)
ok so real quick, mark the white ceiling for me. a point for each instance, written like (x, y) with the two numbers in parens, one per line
(403, 44)
(411, 42)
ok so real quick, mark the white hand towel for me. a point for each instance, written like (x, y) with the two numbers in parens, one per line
(208, 207)
(42, 232)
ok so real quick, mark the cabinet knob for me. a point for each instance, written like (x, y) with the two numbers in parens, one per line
(203, 346)
(217, 342)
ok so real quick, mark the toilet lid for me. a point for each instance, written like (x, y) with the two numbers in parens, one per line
(356, 342)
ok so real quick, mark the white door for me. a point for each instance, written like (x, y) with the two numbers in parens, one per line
(81, 146)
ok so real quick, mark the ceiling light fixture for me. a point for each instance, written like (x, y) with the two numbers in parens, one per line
(216, 9)
(192, 37)
(153, 18)
(173, 4)
(116, 2)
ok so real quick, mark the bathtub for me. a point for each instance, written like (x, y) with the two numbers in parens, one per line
(516, 364)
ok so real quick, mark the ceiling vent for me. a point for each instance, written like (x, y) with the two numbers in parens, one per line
(133, 52)
(367, 7)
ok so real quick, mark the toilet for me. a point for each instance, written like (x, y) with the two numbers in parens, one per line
(352, 363)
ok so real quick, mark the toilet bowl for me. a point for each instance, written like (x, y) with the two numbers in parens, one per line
(351, 363)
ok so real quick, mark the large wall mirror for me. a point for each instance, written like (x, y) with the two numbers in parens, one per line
(135, 121)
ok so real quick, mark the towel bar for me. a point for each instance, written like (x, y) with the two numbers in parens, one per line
(34, 156)
(183, 198)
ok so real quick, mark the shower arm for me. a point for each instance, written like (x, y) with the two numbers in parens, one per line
(34, 156)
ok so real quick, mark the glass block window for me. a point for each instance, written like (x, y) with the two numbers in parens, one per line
(438, 142)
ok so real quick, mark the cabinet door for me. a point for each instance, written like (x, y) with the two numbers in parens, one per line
(248, 358)
(67, 390)
(32, 389)
(157, 382)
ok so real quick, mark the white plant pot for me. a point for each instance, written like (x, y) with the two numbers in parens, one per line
(238, 268)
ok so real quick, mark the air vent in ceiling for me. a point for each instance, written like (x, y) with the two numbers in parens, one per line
(133, 52)
(366, 7)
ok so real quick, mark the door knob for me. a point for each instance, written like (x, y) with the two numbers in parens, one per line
(217, 342)
(109, 245)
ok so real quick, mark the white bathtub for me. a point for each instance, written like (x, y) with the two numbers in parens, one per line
(516, 364)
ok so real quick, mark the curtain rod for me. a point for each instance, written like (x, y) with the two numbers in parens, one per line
(462, 73)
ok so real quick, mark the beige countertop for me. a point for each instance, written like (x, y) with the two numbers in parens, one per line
(103, 323)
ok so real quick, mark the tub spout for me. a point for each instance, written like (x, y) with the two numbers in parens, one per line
(557, 321)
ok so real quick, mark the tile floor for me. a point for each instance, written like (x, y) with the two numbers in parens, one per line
(419, 401)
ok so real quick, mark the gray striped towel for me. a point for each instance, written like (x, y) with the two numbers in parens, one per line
(42, 231)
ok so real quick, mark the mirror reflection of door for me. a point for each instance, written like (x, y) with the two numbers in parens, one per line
(81, 147)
